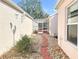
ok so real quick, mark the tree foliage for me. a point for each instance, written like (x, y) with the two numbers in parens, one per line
(33, 7)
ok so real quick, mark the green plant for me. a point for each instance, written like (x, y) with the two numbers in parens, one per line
(24, 45)
(35, 32)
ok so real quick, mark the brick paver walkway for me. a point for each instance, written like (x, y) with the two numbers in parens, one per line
(44, 47)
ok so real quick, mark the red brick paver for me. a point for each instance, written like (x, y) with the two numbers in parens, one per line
(44, 47)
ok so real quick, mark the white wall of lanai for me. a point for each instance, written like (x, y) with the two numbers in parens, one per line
(8, 16)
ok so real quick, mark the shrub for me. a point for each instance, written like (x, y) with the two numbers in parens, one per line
(35, 32)
(24, 45)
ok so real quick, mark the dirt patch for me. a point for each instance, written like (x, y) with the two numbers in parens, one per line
(13, 54)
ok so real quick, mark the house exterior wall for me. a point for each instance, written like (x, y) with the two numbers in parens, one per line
(7, 15)
(53, 25)
(37, 21)
(69, 48)
(35, 26)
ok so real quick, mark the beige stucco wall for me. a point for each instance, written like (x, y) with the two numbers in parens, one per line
(69, 48)
(53, 25)
(7, 15)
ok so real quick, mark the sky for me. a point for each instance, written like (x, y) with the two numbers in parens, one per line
(47, 5)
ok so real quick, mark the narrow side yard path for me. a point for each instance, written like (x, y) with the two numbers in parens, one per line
(44, 47)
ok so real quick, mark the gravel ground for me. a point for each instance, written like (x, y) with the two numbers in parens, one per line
(55, 51)
(12, 54)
